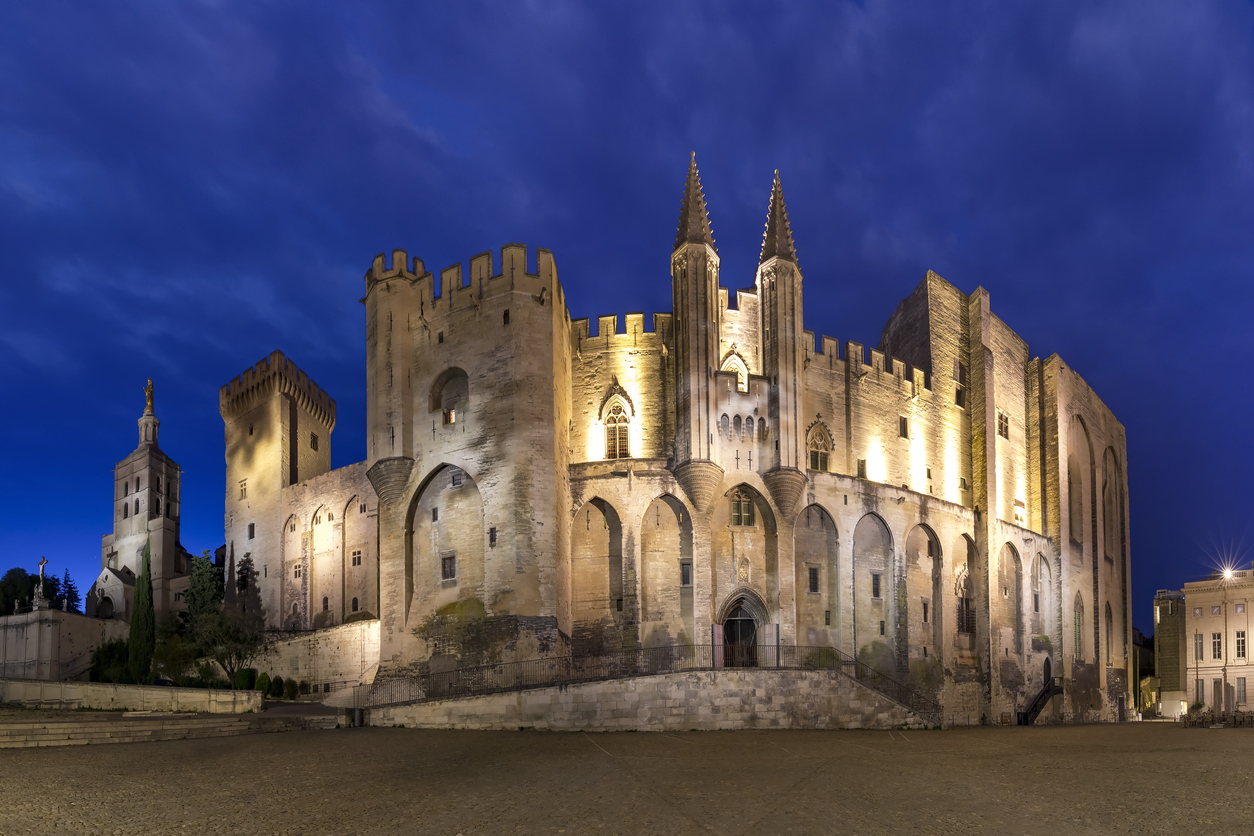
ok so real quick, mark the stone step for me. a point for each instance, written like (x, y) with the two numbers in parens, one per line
(39, 734)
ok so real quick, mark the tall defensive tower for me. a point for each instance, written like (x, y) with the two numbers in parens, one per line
(278, 427)
(779, 288)
(697, 323)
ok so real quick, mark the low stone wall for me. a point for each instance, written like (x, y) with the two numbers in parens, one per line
(105, 695)
(344, 653)
(704, 700)
(51, 644)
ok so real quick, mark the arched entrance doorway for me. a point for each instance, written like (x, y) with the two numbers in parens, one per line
(740, 639)
(1049, 673)
(105, 608)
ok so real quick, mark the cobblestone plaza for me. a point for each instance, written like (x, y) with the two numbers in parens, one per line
(1091, 779)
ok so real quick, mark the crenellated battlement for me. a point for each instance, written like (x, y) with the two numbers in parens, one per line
(271, 375)
(465, 283)
(634, 334)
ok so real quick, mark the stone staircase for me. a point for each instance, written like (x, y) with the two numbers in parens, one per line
(67, 729)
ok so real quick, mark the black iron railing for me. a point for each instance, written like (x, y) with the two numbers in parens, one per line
(561, 670)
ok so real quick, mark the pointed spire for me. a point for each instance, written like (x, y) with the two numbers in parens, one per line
(694, 220)
(777, 239)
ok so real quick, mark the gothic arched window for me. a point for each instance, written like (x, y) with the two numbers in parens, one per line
(741, 507)
(735, 364)
(616, 425)
(820, 447)
(1079, 628)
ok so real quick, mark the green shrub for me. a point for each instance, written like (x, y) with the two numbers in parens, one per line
(304, 686)
(276, 688)
(244, 678)
(262, 684)
(822, 657)
(110, 662)
(289, 689)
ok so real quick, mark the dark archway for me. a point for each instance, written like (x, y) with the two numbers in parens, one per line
(1049, 672)
(740, 638)
(104, 609)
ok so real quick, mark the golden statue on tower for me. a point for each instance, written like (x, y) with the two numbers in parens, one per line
(148, 395)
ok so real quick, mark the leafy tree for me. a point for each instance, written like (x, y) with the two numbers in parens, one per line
(204, 591)
(262, 684)
(175, 651)
(70, 594)
(231, 638)
(143, 637)
(16, 586)
(110, 662)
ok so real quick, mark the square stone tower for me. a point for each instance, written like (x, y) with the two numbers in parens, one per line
(146, 499)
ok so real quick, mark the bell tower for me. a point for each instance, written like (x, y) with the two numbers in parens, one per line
(694, 283)
(147, 495)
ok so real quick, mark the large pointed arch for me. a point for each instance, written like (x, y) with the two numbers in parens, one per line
(667, 574)
(597, 597)
(816, 555)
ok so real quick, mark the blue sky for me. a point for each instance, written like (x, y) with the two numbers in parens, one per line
(185, 187)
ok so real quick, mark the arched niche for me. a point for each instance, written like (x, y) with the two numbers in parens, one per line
(444, 549)
(359, 562)
(324, 567)
(666, 573)
(450, 394)
(816, 546)
(1080, 500)
(874, 590)
(1113, 581)
(1043, 608)
(596, 578)
(1008, 596)
(924, 562)
(744, 545)
(962, 599)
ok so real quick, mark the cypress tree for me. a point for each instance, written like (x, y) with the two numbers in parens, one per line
(69, 591)
(143, 622)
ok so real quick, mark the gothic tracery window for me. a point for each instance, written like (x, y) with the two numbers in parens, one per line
(741, 507)
(820, 447)
(616, 426)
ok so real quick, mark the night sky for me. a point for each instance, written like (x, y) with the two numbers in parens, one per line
(185, 187)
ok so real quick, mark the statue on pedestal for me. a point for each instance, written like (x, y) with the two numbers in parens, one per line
(39, 602)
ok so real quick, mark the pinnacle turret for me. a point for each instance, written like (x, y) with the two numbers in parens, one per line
(694, 220)
(777, 239)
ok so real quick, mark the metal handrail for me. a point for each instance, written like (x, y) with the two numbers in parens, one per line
(565, 670)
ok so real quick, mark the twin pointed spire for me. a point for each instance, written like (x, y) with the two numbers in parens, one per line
(694, 219)
(777, 239)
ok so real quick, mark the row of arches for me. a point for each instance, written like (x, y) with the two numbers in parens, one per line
(893, 606)
(329, 559)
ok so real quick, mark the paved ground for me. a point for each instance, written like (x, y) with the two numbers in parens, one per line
(1134, 778)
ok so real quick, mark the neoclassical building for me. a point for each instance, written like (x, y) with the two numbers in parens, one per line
(946, 505)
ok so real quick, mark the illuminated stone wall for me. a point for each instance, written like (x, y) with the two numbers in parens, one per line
(954, 464)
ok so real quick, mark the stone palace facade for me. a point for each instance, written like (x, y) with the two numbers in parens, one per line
(946, 505)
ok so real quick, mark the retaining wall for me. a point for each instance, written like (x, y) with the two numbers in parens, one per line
(704, 700)
(105, 695)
